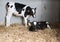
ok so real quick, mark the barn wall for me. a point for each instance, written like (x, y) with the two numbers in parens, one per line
(46, 10)
(59, 12)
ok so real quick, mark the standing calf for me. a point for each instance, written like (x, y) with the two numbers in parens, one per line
(19, 9)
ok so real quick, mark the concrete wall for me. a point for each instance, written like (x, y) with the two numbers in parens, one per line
(46, 10)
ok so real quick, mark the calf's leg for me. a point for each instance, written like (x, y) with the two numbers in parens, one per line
(8, 17)
(48, 26)
(25, 20)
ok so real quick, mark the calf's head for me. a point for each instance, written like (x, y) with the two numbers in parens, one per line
(32, 26)
(30, 11)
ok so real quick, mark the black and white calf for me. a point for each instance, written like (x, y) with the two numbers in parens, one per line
(34, 26)
(19, 9)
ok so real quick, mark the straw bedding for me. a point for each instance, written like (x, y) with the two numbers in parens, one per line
(18, 33)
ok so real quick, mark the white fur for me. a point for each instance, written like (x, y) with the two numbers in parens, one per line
(29, 24)
(8, 17)
(35, 23)
(33, 12)
(47, 23)
(48, 26)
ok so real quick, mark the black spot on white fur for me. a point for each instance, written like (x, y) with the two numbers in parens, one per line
(19, 7)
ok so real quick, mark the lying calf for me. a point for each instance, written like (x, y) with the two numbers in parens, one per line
(34, 26)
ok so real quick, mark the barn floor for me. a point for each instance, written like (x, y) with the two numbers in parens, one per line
(18, 33)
